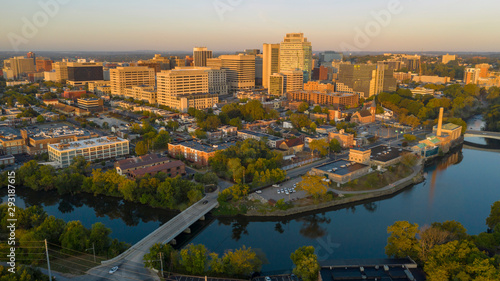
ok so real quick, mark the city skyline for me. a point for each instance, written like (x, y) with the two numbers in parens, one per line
(222, 25)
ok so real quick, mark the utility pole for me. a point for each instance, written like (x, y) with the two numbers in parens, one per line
(161, 263)
(93, 250)
(48, 262)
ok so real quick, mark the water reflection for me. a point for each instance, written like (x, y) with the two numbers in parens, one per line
(114, 208)
(312, 225)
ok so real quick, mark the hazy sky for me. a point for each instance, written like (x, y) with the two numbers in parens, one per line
(168, 25)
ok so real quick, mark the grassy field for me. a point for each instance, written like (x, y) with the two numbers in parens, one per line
(377, 180)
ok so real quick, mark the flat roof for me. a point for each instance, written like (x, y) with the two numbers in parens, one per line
(341, 167)
(204, 147)
(51, 130)
(261, 135)
(87, 143)
(384, 153)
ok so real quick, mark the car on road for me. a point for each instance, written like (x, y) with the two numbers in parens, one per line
(258, 191)
(113, 269)
(268, 278)
(205, 202)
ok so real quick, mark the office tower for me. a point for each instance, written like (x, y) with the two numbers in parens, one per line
(183, 88)
(411, 62)
(217, 81)
(320, 73)
(240, 71)
(484, 70)
(359, 77)
(176, 61)
(296, 53)
(447, 58)
(252, 52)
(214, 62)
(258, 70)
(200, 56)
(327, 57)
(294, 80)
(270, 62)
(385, 80)
(127, 77)
(276, 84)
(471, 75)
(61, 69)
(15, 67)
(82, 73)
(43, 64)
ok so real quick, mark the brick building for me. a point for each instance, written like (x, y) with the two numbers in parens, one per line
(195, 151)
(313, 97)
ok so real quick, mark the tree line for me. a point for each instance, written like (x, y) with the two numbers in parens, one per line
(158, 191)
(34, 225)
(446, 251)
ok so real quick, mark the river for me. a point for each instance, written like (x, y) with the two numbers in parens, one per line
(462, 187)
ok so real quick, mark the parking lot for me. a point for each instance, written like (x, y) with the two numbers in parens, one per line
(272, 192)
(110, 120)
(277, 278)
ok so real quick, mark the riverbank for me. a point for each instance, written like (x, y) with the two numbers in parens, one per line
(414, 178)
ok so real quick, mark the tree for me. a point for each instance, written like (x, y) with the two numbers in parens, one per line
(161, 140)
(430, 237)
(494, 218)
(320, 145)
(40, 119)
(141, 148)
(317, 109)
(402, 241)
(303, 107)
(300, 120)
(409, 137)
(335, 145)
(194, 258)
(306, 263)
(313, 185)
(152, 258)
(242, 262)
(75, 236)
(99, 237)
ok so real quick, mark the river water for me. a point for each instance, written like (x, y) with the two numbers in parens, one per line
(461, 187)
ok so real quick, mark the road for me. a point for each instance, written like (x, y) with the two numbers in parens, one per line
(130, 263)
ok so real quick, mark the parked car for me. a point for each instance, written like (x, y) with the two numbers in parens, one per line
(268, 278)
(258, 191)
(113, 269)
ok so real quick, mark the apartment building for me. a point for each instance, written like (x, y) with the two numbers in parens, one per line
(314, 97)
(195, 151)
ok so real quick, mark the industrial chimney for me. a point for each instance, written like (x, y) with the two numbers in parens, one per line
(440, 121)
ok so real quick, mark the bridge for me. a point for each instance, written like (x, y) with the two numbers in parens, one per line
(482, 134)
(130, 262)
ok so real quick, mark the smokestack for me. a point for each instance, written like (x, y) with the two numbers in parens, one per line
(440, 122)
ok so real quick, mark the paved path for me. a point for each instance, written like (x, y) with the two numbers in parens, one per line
(482, 134)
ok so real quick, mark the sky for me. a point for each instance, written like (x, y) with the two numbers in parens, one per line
(232, 25)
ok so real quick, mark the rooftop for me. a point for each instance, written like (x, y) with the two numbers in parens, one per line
(140, 161)
(261, 135)
(384, 153)
(205, 147)
(87, 143)
(51, 130)
(156, 168)
(341, 167)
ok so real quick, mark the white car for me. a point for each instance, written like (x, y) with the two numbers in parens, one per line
(258, 191)
(279, 191)
(113, 269)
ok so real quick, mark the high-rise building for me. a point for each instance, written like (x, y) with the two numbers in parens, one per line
(214, 62)
(359, 77)
(82, 73)
(276, 84)
(176, 61)
(61, 69)
(327, 57)
(484, 70)
(127, 77)
(296, 53)
(447, 58)
(270, 62)
(385, 79)
(294, 80)
(217, 81)
(471, 75)
(200, 56)
(43, 64)
(15, 67)
(183, 88)
(240, 71)
(258, 70)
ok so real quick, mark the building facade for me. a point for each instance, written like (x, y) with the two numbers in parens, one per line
(296, 53)
(270, 63)
(127, 77)
(313, 97)
(91, 150)
(240, 71)
(200, 56)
